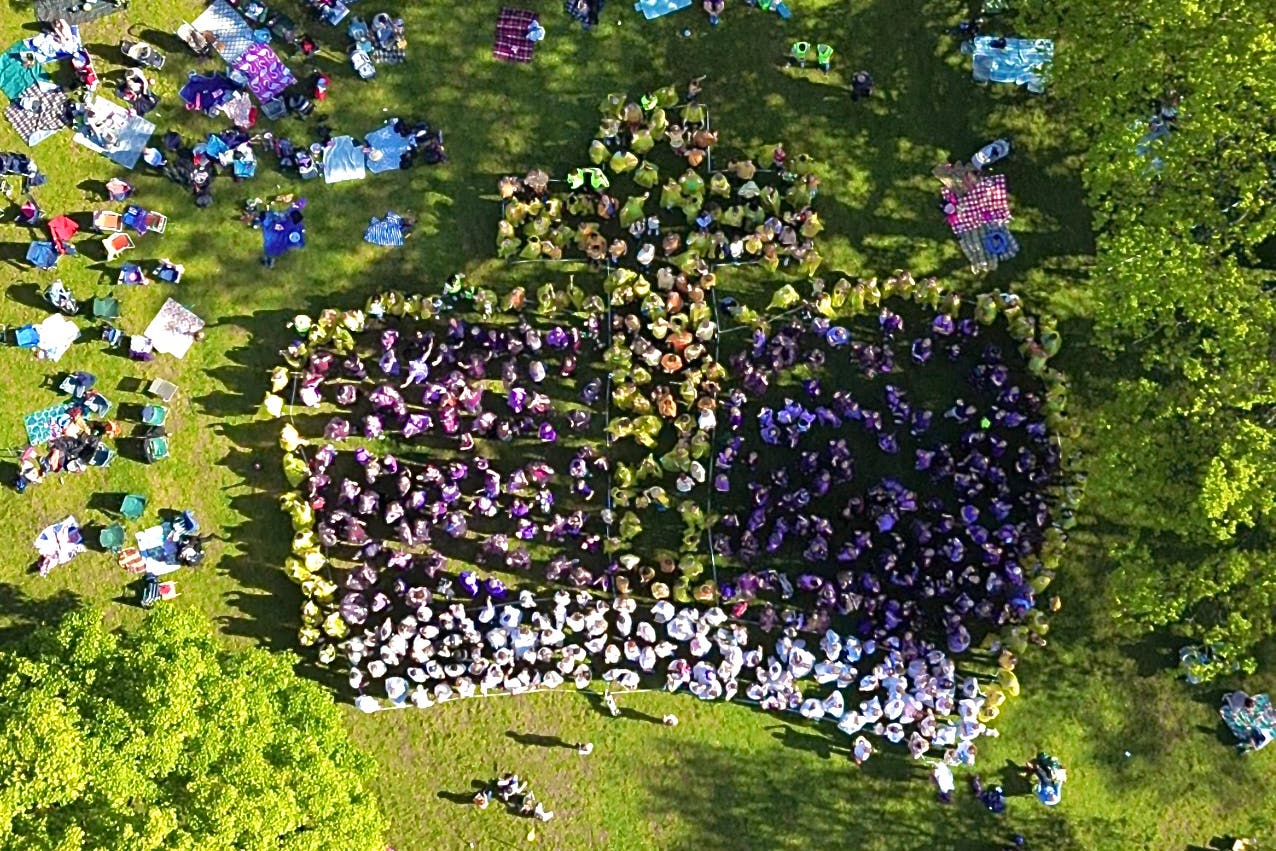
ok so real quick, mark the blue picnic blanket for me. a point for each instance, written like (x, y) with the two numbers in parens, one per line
(388, 148)
(1021, 61)
(387, 232)
(342, 160)
(1244, 723)
(652, 9)
(279, 233)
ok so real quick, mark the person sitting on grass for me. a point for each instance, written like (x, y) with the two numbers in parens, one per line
(714, 8)
(861, 85)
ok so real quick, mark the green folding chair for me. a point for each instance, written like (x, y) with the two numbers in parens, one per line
(112, 537)
(133, 506)
(107, 308)
(154, 415)
(156, 449)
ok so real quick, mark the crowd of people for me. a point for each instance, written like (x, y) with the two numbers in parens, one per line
(412, 631)
(849, 533)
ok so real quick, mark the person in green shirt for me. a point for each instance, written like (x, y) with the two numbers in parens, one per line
(824, 56)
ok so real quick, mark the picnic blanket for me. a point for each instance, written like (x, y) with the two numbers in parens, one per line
(342, 161)
(173, 329)
(40, 112)
(48, 423)
(387, 232)
(132, 134)
(56, 334)
(233, 33)
(279, 233)
(388, 148)
(652, 9)
(61, 542)
(73, 11)
(512, 44)
(1021, 61)
(1244, 722)
(388, 55)
(985, 204)
(263, 72)
(16, 78)
(208, 91)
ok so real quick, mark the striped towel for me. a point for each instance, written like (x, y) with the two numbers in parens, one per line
(512, 43)
(387, 232)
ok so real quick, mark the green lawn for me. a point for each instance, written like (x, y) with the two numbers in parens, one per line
(727, 777)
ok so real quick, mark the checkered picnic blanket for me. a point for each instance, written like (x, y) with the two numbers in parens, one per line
(50, 112)
(234, 35)
(512, 44)
(388, 55)
(985, 204)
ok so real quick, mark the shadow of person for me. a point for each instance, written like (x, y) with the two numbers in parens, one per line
(792, 738)
(460, 797)
(636, 715)
(1014, 782)
(537, 740)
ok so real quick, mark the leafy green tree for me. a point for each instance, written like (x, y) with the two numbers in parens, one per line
(160, 738)
(1182, 453)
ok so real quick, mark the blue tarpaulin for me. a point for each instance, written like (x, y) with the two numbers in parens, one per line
(280, 233)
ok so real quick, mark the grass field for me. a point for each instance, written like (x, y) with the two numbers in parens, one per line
(1149, 763)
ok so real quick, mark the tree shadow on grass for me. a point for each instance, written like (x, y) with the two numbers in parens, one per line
(21, 613)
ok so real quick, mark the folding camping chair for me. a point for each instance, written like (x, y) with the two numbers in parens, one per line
(165, 390)
(156, 221)
(112, 538)
(154, 415)
(131, 275)
(169, 272)
(116, 244)
(107, 221)
(155, 449)
(112, 336)
(274, 109)
(78, 384)
(118, 190)
(153, 590)
(194, 39)
(102, 457)
(132, 506)
(27, 337)
(106, 307)
(96, 404)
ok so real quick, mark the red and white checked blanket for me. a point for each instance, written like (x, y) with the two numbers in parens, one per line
(985, 204)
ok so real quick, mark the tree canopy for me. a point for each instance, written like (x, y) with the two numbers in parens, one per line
(160, 738)
(1175, 102)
